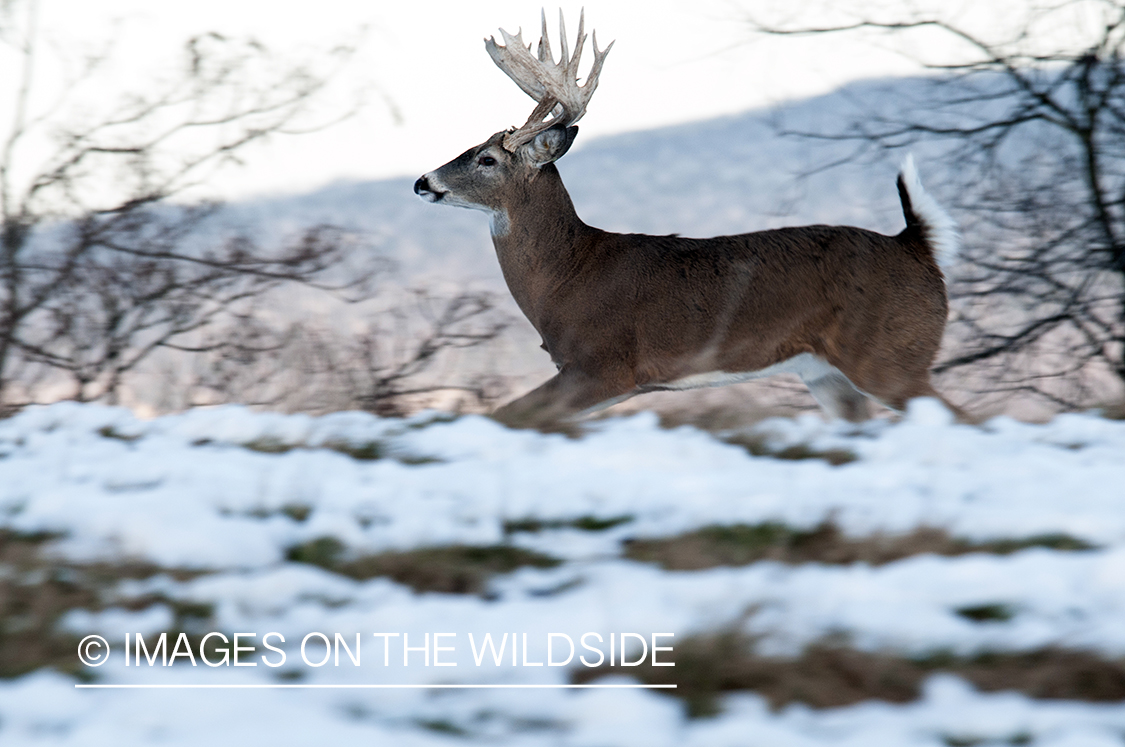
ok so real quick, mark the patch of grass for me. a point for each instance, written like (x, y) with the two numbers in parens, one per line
(457, 569)
(32, 598)
(562, 588)
(37, 590)
(594, 524)
(190, 614)
(11, 539)
(733, 545)
(961, 740)
(453, 569)
(1055, 674)
(442, 726)
(417, 460)
(322, 551)
(108, 431)
(290, 675)
(296, 511)
(1050, 541)
(531, 526)
(268, 445)
(829, 676)
(982, 613)
(369, 451)
(708, 666)
(742, 544)
(587, 523)
(436, 418)
(536, 724)
(715, 418)
(758, 446)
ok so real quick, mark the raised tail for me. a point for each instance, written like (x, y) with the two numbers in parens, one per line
(924, 213)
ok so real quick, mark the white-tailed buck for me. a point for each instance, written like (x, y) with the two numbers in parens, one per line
(854, 313)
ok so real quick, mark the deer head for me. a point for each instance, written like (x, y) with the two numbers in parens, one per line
(483, 177)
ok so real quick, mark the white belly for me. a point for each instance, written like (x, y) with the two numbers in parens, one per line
(806, 365)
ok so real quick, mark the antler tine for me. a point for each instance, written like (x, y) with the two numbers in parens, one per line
(554, 86)
(572, 65)
(564, 62)
(596, 68)
(545, 43)
(506, 61)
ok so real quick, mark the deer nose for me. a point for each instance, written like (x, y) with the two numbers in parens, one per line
(426, 191)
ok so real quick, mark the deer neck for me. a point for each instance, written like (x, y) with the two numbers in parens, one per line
(539, 239)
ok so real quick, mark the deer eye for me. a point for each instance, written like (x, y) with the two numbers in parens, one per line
(486, 161)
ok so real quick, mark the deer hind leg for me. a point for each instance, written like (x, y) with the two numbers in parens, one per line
(923, 388)
(567, 395)
(837, 396)
(896, 390)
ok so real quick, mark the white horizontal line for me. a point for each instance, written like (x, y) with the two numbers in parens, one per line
(280, 686)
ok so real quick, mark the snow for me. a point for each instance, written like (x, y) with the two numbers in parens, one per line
(228, 491)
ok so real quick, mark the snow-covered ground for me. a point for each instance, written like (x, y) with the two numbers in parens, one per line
(229, 491)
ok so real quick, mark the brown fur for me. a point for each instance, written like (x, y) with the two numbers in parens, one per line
(622, 314)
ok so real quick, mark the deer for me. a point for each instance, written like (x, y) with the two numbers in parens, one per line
(857, 315)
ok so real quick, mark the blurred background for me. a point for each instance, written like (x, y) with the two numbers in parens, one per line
(282, 149)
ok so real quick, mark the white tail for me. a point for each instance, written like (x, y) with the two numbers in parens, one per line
(854, 313)
(941, 230)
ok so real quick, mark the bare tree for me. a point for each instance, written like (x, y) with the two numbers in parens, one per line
(402, 356)
(135, 290)
(99, 267)
(1031, 122)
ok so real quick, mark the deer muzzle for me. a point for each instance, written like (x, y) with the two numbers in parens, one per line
(423, 189)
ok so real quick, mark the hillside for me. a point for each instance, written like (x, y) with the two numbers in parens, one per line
(919, 583)
(440, 580)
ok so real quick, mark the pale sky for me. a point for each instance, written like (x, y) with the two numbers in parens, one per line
(673, 62)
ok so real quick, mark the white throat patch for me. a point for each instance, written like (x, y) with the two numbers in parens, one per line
(500, 223)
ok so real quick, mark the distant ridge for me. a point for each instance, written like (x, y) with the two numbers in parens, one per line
(731, 174)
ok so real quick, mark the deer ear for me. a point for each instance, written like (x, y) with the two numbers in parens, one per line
(550, 145)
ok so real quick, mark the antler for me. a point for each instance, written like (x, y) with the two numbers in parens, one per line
(553, 85)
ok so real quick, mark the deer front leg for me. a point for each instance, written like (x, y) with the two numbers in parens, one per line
(569, 394)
